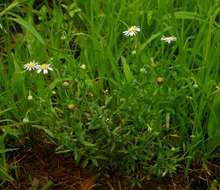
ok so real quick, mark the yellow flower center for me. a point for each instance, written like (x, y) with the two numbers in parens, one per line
(44, 66)
(132, 29)
(31, 65)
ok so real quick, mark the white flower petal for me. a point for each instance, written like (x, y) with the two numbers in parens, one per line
(132, 31)
(30, 66)
(168, 39)
(138, 29)
(38, 70)
(45, 71)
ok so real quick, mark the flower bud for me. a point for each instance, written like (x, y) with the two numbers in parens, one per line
(25, 120)
(133, 52)
(83, 66)
(66, 84)
(160, 80)
(195, 85)
(30, 97)
(72, 107)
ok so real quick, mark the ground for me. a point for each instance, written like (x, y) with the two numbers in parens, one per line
(40, 167)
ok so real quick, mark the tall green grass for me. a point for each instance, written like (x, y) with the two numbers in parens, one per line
(114, 113)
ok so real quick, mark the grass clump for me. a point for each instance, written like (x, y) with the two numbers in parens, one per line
(142, 102)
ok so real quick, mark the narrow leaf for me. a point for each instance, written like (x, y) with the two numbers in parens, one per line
(7, 150)
(29, 28)
(127, 72)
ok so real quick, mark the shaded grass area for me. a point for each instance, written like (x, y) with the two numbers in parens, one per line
(136, 104)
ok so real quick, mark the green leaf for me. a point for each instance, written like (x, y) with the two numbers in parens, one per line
(16, 132)
(85, 163)
(17, 83)
(7, 150)
(4, 175)
(213, 143)
(63, 151)
(2, 112)
(47, 131)
(94, 161)
(10, 7)
(214, 185)
(87, 143)
(48, 185)
(127, 72)
(77, 155)
(153, 37)
(149, 17)
(183, 15)
(214, 125)
(214, 120)
(28, 27)
(57, 80)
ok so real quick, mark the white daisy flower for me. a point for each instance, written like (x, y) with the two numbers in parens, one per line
(44, 68)
(168, 39)
(132, 31)
(32, 65)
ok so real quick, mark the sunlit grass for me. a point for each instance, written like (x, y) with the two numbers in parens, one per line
(140, 101)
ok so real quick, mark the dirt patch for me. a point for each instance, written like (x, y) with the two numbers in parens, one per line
(40, 167)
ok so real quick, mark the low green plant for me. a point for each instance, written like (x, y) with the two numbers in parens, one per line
(134, 104)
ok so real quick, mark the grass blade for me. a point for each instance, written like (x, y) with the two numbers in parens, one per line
(29, 28)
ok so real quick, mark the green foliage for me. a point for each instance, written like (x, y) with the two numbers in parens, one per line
(131, 103)
(214, 124)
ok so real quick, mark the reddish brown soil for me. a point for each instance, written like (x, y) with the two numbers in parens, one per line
(40, 164)
(37, 166)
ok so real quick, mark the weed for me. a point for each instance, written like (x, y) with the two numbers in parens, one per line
(134, 102)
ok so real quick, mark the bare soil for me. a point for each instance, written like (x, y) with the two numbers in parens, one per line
(39, 167)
